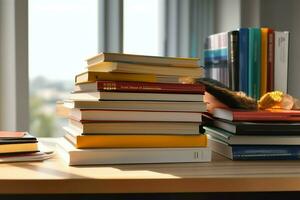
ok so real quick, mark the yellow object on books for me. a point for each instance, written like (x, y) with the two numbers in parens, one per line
(137, 141)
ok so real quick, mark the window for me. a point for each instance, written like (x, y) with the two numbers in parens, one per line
(143, 27)
(62, 33)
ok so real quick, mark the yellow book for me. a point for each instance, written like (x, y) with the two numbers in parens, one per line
(92, 76)
(119, 67)
(137, 141)
(264, 64)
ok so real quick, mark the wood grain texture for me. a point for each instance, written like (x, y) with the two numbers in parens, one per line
(221, 175)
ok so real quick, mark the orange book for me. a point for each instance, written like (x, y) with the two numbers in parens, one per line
(264, 60)
(136, 141)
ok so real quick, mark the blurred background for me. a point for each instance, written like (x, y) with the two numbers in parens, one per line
(63, 33)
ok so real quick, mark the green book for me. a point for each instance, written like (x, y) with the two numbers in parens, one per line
(254, 62)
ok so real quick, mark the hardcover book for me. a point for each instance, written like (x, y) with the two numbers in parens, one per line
(117, 67)
(183, 106)
(135, 140)
(135, 115)
(91, 76)
(258, 128)
(257, 115)
(255, 152)
(140, 87)
(142, 59)
(234, 139)
(133, 96)
(170, 128)
(73, 156)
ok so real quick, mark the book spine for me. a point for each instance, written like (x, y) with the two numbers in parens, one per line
(122, 86)
(270, 61)
(254, 62)
(264, 58)
(265, 152)
(243, 63)
(233, 60)
(281, 61)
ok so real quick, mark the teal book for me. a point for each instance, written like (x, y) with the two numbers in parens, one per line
(254, 62)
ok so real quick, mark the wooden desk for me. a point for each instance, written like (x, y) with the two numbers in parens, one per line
(221, 175)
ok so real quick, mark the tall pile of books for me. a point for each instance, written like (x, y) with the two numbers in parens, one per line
(252, 60)
(136, 109)
(255, 135)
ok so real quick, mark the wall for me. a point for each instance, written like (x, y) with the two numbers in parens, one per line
(227, 15)
(285, 15)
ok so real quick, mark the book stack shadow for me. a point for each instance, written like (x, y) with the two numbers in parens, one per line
(135, 109)
(255, 135)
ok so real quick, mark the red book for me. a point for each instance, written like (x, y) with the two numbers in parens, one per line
(257, 115)
(270, 60)
(143, 87)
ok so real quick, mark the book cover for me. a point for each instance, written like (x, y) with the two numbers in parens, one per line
(243, 59)
(281, 61)
(136, 141)
(255, 152)
(254, 62)
(133, 86)
(264, 61)
(74, 156)
(270, 60)
(258, 128)
(257, 115)
(142, 59)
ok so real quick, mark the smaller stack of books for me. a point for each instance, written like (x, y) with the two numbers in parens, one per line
(20, 146)
(135, 109)
(255, 135)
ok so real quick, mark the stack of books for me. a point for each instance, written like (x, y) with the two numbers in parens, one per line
(252, 60)
(136, 109)
(255, 135)
(20, 146)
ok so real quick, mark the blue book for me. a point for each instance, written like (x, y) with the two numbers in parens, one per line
(243, 56)
(254, 62)
(255, 152)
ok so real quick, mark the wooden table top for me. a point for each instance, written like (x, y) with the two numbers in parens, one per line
(220, 175)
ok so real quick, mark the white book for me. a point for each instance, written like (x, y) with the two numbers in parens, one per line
(281, 61)
(138, 105)
(73, 156)
(133, 115)
(128, 96)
